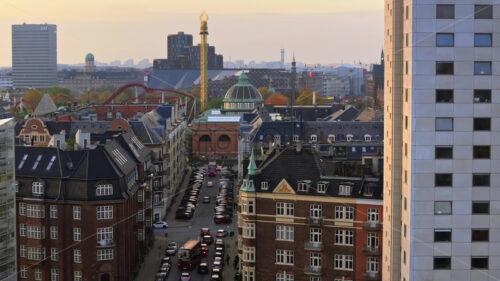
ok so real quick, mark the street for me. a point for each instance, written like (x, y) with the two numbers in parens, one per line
(182, 230)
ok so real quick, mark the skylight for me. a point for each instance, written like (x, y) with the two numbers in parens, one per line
(21, 164)
(51, 162)
(119, 157)
(38, 158)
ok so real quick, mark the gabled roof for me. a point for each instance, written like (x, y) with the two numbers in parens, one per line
(45, 106)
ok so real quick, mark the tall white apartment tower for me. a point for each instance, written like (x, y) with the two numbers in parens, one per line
(442, 143)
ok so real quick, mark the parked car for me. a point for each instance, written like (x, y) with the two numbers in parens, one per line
(207, 239)
(185, 276)
(171, 248)
(221, 233)
(161, 276)
(166, 260)
(160, 224)
(204, 231)
(206, 199)
(215, 277)
(222, 219)
(203, 268)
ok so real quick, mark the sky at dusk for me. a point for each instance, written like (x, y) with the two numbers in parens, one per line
(318, 31)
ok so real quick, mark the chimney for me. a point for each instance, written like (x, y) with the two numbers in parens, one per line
(82, 139)
(298, 146)
(58, 140)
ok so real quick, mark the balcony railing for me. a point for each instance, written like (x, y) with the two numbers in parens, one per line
(315, 221)
(105, 243)
(315, 270)
(313, 246)
(372, 225)
(370, 250)
(369, 275)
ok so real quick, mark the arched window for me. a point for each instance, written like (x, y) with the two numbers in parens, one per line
(224, 138)
(205, 138)
(313, 138)
(331, 138)
(350, 137)
(368, 138)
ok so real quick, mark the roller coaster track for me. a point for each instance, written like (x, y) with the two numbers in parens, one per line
(147, 89)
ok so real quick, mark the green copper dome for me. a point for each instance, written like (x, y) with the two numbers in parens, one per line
(242, 96)
(89, 56)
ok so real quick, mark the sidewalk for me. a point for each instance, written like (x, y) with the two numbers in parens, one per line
(170, 217)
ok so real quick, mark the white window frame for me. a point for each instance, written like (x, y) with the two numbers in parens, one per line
(285, 232)
(54, 274)
(349, 137)
(344, 213)
(77, 212)
(140, 196)
(54, 254)
(315, 211)
(104, 233)
(249, 254)
(104, 190)
(105, 255)
(344, 237)
(23, 271)
(22, 209)
(53, 211)
(249, 230)
(331, 138)
(35, 232)
(303, 186)
(77, 276)
(37, 188)
(284, 277)
(373, 214)
(284, 209)
(313, 138)
(368, 138)
(35, 211)
(296, 138)
(22, 230)
(315, 235)
(77, 234)
(321, 187)
(77, 256)
(343, 262)
(372, 238)
(104, 212)
(372, 264)
(264, 185)
(38, 273)
(345, 189)
(285, 257)
(315, 259)
(54, 232)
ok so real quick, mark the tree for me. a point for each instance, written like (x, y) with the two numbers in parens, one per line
(214, 103)
(56, 90)
(265, 92)
(357, 102)
(34, 96)
(306, 97)
(277, 98)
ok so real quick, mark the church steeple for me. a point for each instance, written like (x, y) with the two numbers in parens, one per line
(252, 167)
(382, 57)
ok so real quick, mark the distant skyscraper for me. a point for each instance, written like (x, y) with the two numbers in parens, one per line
(282, 58)
(441, 145)
(7, 202)
(176, 44)
(34, 55)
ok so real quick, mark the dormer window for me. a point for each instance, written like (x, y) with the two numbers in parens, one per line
(37, 187)
(349, 137)
(321, 187)
(277, 138)
(331, 138)
(369, 189)
(313, 138)
(104, 190)
(109, 115)
(264, 185)
(303, 186)
(345, 189)
(295, 138)
(368, 138)
(118, 114)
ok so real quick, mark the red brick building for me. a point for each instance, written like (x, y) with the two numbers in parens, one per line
(300, 221)
(215, 136)
(83, 214)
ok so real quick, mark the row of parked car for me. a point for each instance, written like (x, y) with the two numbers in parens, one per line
(217, 262)
(224, 201)
(187, 206)
(164, 271)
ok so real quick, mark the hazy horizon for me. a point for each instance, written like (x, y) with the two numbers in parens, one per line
(317, 32)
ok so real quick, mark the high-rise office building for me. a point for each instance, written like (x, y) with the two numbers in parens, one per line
(442, 119)
(7, 202)
(176, 44)
(34, 55)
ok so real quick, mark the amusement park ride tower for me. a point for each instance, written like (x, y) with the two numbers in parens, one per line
(203, 63)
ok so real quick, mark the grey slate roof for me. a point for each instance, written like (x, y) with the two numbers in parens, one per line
(145, 134)
(305, 165)
(45, 106)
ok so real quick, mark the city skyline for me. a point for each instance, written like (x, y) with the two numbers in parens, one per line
(141, 32)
